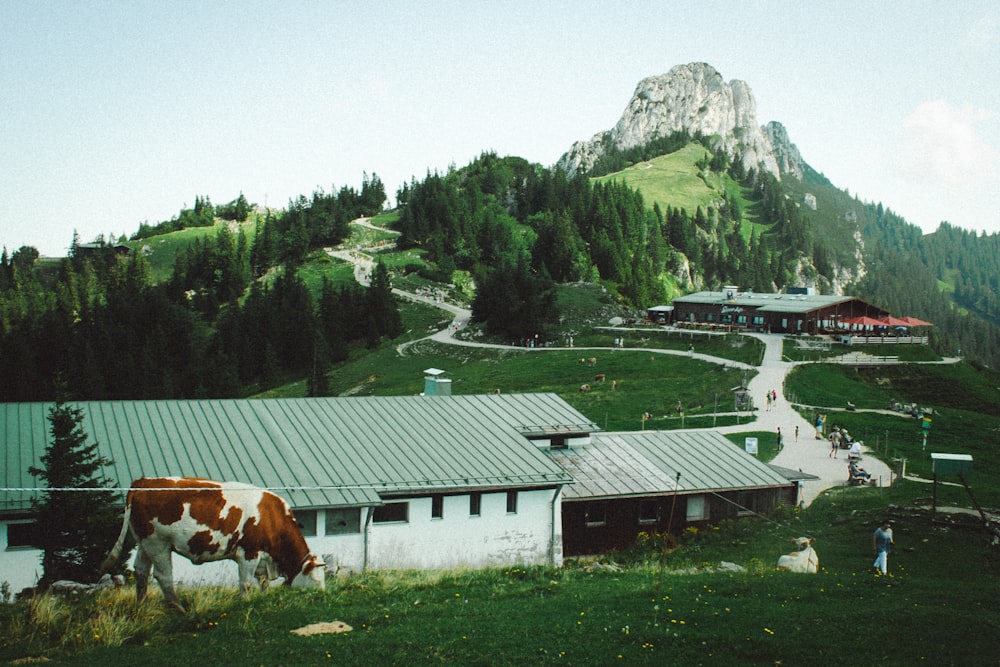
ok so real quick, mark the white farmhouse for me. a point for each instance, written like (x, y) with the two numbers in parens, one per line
(375, 482)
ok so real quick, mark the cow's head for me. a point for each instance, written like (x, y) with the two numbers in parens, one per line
(312, 574)
(803, 543)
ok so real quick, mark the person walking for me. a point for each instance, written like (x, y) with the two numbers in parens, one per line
(779, 439)
(796, 433)
(881, 541)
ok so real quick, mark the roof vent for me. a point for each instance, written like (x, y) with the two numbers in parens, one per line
(435, 384)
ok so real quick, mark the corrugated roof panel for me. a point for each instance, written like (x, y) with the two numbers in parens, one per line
(611, 468)
(647, 462)
(341, 450)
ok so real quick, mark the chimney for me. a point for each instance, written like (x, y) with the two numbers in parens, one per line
(435, 384)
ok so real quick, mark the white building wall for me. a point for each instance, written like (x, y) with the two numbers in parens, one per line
(494, 538)
(460, 540)
(20, 567)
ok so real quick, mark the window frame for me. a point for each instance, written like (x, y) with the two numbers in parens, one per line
(512, 501)
(351, 517)
(392, 512)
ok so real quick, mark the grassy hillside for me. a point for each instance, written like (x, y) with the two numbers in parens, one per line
(646, 606)
(675, 180)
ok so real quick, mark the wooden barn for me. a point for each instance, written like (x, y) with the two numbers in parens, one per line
(658, 482)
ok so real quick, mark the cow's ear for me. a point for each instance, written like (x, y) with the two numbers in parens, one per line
(312, 564)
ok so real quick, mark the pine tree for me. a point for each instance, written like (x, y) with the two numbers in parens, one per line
(77, 515)
(382, 304)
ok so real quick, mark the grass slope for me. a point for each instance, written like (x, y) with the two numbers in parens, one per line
(675, 180)
(649, 608)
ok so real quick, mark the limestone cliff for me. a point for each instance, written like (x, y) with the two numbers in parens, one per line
(694, 98)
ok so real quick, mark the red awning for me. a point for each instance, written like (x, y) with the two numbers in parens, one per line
(891, 321)
(914, 322)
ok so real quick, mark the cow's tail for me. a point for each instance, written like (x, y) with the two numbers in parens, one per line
(116, 550)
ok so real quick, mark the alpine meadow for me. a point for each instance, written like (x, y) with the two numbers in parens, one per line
(504, 276)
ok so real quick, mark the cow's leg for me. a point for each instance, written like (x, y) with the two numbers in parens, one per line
(248, 574)
(143, 564)
(163, 571)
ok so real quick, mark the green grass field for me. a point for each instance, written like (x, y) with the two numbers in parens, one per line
(640, 607)
(675, 180)
(672, 180)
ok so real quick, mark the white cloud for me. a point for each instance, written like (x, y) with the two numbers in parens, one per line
(942, 145)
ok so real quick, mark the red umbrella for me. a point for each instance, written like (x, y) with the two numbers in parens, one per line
(891, 321)
(864, 320)
(914, 322)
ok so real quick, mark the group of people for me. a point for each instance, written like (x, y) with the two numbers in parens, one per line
(840, 438)
(771, 398)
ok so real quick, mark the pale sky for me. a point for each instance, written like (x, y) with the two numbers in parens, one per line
(116, 113)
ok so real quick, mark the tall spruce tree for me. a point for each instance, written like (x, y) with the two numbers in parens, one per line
(387, 321)
(77, 516)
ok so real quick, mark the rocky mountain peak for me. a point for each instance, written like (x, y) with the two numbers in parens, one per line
(695, 98)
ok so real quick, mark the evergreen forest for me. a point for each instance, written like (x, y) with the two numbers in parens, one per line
(235, 314)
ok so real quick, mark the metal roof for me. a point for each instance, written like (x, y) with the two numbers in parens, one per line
(646, 463)
(315, 452)
(787, 303)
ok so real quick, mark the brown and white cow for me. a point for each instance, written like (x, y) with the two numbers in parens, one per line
(206, 521)
(803, 559)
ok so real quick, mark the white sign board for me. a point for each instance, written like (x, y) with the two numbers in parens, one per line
(751, 446)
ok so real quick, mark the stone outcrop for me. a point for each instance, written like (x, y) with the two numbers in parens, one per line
(694, 98)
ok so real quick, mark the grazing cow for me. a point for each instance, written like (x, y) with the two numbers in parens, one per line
(599, 377)
(584, 388)
(804, 559)
(592, 361)
(205, 521)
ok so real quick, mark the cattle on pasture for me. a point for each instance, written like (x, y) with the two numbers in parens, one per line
(204, 521)
(599, 377)
(803, 559)
(584, 388)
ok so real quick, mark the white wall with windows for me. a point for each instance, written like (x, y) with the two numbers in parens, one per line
(491, 528)
(441, 531)
(473, 530)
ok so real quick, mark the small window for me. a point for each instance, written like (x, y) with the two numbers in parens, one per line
(343, 521)
(596, 515)
(392, 513)
(475, 504)
(437, 507)
(307, 522)
(559, 442)
(697, 508)
(512, 502)
(649, 511)
(21, 535)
